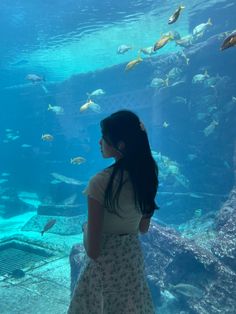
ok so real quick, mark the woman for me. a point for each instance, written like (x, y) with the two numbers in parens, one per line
(121, 201)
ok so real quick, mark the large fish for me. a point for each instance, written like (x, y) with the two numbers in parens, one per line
(174, 17)
(199, 30)
(230, 41)
(67, 180)
(187, 290)
(163, 41)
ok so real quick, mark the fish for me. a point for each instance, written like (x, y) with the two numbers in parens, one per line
(47, 137)
(123, 49)
(174, 17)
(133, 63)
(34, 78)
(191, 157)
(159, 82)
(147, 51)
(185, 41)
(186, 290)
(97, 92)
(197, 213)
(230, 41)
(165, 124)
(5, 174)
(26, 146)
(48, 225)
(86, 105)
(180, 100)
(57, 109)
(199, 30)
(5, 197)
(95, 107)
(210, 128)
(162, 42)
(77, 160)
(199, 78)
(70, 200)
(67, 180)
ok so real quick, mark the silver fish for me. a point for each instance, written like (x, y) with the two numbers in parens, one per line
(67, 180)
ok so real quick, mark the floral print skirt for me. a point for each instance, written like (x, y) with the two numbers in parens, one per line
(115, 282)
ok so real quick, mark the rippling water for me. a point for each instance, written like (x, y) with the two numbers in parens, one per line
(62, 38)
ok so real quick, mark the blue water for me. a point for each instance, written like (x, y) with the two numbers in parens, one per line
(73, 45)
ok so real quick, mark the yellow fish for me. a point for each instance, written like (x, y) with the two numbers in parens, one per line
(47, 137)
(162, 42)
(133, 63)
(77, 160)
(86, 105)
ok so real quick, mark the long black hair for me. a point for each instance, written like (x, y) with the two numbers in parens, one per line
(125, 126)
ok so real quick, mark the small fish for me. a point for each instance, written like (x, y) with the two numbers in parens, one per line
(5, 174)
(230, 41)
(86, 105)
(165, 124)
(5, 197)
(197, 213)
(147, 51)
(191, 157)
(163, 41)
(34, 78)
(123, 49)
(159, 82)
(47, 137)
(210, 128)
(133, 63)
(185, 41)
(199, 78)
(95, 107)
(57, 109)
(70, 200)
(48, 225)
(26, 146)
(77, 160)
(174, 17)
(199, 30)
(97, 92)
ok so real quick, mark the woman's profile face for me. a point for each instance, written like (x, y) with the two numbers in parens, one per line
(107, 150)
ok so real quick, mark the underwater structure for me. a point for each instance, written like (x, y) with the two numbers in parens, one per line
(187, 100)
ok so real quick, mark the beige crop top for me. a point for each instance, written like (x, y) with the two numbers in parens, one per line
(129, 223)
